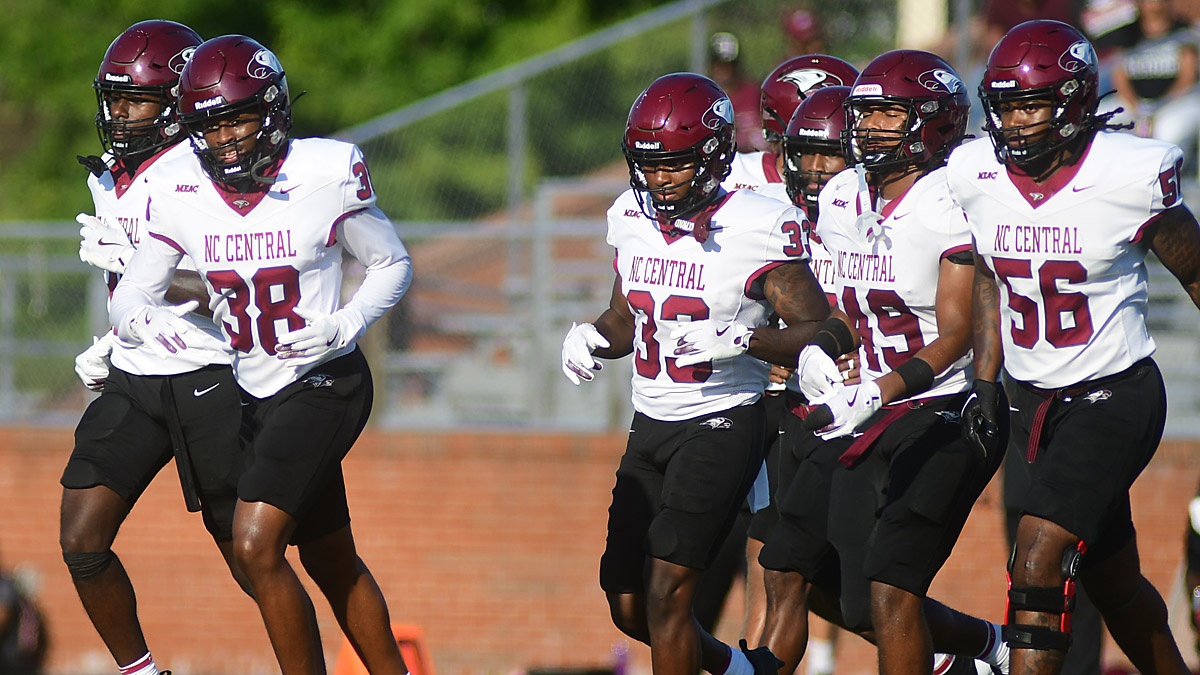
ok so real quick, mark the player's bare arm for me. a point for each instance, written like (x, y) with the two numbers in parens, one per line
(1175, 238)
(189, 285)
(797, 298)
(985, 323)
(616, 324)
(953, 308)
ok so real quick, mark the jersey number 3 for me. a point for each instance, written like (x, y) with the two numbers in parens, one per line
(647, 358)
(275, 294)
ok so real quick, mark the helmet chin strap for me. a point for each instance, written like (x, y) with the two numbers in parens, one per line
(257, 169)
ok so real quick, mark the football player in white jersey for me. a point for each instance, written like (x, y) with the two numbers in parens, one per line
(802, 565)
(782, 91)
(813, 152)
(902, 250)
(150, 408)
(266, 220)
(699, 272)
(779, 95)
(1062, 212)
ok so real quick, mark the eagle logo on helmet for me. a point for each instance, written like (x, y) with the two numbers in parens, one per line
(941, 79)
(718, 115)
(806, 79)
(180, 60)
(263, 65)
(1077, 57)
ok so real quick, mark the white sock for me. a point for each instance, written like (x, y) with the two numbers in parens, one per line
(942, 663)
(996, 652)
(738, 664)
(819, 657)
(143, 666)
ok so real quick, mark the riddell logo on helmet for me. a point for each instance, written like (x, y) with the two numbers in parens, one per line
(647, 145)
(178, 61)
(1003, 84)
(813, 133)
(209, 102)
(720, 114)
(868, 90)
(118, 77)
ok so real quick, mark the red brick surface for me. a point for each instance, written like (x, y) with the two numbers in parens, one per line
(489, 541)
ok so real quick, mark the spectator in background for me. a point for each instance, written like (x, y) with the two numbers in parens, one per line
(804, 33)
(726, 70)
(1156, 78)
(1111, 25)
(1001, 15)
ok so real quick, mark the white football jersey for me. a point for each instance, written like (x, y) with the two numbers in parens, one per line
(123, 201)
(1069, 260)
(752, 171)
(671, 279)
(888, 286)
(264, 259)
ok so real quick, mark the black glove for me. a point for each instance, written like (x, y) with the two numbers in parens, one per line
(985, 418)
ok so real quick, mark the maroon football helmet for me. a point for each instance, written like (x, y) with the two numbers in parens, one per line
(679, 117)
(1044, 60)
(932, 93)
(817, 127)
(792, 81)
(226, 77)
(144, 62)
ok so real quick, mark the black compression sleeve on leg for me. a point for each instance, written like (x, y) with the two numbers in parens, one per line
(87, 565)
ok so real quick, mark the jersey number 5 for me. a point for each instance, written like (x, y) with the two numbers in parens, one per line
(274, 291)
(1060, 308)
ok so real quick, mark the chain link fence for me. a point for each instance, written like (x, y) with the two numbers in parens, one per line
(499, 189)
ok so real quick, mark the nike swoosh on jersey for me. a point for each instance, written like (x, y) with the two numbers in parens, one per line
(284, 191)
(1076, 188)
(201, 392)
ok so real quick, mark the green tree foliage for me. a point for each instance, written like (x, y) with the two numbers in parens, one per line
(357, 59)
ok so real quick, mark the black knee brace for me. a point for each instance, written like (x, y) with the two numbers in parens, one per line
(1048, 599)
(87, 565)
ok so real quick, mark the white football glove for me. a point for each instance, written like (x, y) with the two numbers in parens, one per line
(850, 408)
(92, 365)
(577, 362)
(819, 374)
(163, 329)
(102, 245)
(322, 333)
(708, 340)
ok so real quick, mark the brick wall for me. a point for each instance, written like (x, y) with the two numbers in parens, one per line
(489, 541)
